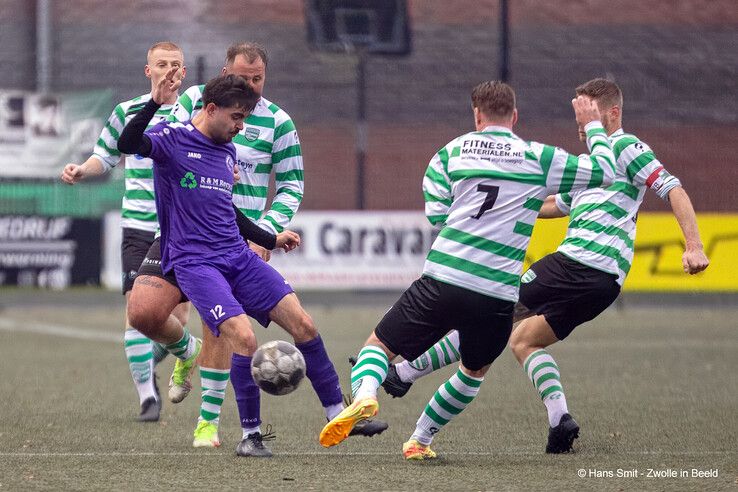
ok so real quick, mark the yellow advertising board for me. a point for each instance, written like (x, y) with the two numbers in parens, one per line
(659, 245)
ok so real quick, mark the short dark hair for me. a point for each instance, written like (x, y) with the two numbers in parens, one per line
(494, 99)
(229, 91)
(602, 91)
(250, 50)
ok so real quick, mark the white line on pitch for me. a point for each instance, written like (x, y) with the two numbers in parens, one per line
(57, 330)
(354, 453)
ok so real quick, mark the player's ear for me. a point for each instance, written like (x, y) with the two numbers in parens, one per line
(615, 112)
(184, 72)
(147, 71)
(515, 116)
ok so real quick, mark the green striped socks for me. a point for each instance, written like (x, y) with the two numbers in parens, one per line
(369, 372)
(213, 382)
(160, 353)
(140, 362)
(441, 354)
(544, 373)
(451, 399)
(184, 348)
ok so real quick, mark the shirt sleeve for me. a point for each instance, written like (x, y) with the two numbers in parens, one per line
(184, 108)
(106, 147)
(643, 169)
(568, 172)
(437, 188)
(289, 179)
(563, 202)
(163, 142)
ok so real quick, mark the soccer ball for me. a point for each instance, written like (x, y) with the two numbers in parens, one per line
(278, 367)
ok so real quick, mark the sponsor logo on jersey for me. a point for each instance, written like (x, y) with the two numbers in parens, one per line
(217, 184)
(194, 155)
(528, 277)
(188, 180)
(251, 133)
(246, 166)
(229, 162)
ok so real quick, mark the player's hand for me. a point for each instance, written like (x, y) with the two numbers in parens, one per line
(288, 240)
(168, 86)
(236, 174)
(694, 261)
(263, 253)
(585, 110)
(72, 173)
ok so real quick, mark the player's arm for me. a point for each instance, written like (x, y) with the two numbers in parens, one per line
(644, 169)
(694, 259)
(106, 154)
(287, 240)
(437, 188)
(132, 139)
(555, 206)
(288, 177)
(74, 173)
(570, 173)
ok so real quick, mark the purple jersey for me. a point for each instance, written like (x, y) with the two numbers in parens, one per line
(193, 183)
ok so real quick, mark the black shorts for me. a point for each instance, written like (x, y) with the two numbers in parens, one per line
(151, 265)
(133, 250)
(429, 309)
(566, 292)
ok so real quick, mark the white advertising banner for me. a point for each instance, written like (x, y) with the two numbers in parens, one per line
(39, 133)
(356, 250)
(340, 250)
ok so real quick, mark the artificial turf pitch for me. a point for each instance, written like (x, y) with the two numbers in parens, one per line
(653, 388)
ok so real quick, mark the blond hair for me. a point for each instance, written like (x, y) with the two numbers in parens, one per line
(163, 45)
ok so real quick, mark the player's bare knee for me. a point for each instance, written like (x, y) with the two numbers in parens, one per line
(301, 327)
(307, 327)
(517, 343)
(182, 313)
(243, 342)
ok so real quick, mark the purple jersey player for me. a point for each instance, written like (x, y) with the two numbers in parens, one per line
(224, 279)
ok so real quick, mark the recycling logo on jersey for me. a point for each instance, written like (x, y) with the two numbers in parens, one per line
(188, 181)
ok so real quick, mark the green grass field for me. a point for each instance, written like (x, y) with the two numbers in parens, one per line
(652, 388)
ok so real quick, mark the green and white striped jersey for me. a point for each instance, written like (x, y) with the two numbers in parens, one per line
(139, 208)
(486, 189)
(267, 142)
(602, 221)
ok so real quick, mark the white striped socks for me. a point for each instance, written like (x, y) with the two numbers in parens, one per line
(214, 383)
(544, 373)
(450, 400)
(369, 372)
(443, 353)
(140, 363)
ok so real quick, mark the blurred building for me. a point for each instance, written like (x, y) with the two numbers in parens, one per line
(677, 62)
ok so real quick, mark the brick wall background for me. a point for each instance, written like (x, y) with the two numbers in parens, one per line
(676, 61)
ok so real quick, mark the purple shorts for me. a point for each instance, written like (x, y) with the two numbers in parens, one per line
(230, 286)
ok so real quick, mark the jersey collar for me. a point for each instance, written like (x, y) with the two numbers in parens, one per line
(496, 129)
